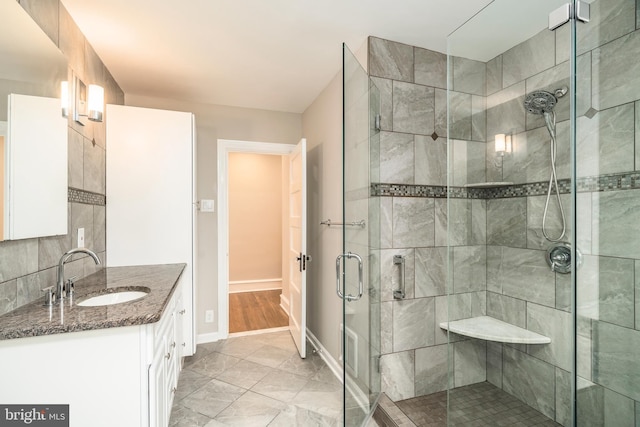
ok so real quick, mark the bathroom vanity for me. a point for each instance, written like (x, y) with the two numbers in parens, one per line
(112, 364)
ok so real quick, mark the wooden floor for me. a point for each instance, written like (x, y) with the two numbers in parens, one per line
(251, 311)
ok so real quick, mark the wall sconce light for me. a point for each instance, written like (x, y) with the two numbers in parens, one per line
(89, 104)
(502, 144)
(64, 98)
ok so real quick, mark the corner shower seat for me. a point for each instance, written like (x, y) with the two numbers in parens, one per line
(490, 329)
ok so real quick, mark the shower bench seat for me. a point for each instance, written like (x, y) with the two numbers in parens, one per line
(491, 329)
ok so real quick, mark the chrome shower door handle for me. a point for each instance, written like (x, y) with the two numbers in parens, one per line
(339, 274)
(399, 293)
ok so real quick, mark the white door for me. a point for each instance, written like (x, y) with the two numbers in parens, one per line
(298, 259)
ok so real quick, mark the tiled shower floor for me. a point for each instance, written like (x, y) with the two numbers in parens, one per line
(475, 405)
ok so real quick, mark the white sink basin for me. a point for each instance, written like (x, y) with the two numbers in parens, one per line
(112, 298)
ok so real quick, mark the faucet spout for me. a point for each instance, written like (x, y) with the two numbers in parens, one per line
(60, 292)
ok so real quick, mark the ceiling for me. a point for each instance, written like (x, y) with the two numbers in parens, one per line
(274, 55)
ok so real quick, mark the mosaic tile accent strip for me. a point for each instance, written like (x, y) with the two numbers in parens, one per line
(612, 182)
(75, 195)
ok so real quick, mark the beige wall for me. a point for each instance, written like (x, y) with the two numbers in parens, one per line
(214, 122)
(255, 217)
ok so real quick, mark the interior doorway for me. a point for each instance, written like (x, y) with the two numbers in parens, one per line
(293, 243)
(258, 185)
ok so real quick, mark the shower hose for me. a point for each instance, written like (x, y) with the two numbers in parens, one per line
(550, 120)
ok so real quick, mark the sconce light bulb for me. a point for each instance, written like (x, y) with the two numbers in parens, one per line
(500, 143)
(95, 103)
(64, 98)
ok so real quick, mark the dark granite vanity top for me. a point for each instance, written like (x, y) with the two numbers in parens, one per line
(35, 319)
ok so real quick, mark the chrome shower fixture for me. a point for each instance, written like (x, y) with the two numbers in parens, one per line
(541, 101)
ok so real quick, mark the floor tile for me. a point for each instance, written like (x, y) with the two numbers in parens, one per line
(240, 346)
(212, 398)
(321, 397)
(214, 364)
(296, 416)
(185, 417)
(244, 374)
(280, 385)
(269, 355)
(190, 381)
(251, 410)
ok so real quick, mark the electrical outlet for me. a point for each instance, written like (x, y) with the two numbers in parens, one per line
(81, 237)
(208, 316)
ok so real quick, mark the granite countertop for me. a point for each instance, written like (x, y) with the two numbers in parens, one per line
(35, 319)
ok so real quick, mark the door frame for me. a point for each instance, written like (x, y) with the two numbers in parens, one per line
(226, 146)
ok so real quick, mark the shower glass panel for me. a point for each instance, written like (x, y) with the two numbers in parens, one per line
(509, 219)
(361, 230)
(608, 204)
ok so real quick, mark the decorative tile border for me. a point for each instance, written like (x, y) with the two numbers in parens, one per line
(611, 182)
(75, 195)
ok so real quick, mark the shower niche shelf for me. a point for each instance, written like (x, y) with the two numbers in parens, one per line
(489, 184)
(491, 329)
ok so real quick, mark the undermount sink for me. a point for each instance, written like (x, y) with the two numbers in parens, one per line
(113, 297)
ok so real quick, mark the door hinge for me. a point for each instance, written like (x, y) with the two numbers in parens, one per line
(564, 13)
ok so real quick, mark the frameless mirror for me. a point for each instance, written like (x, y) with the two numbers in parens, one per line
(33, 132)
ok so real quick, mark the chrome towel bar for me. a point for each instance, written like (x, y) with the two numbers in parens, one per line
(362, 223)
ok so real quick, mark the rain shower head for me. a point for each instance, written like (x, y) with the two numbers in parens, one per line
(541, 101)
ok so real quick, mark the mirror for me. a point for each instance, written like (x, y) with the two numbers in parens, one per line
(33, 133)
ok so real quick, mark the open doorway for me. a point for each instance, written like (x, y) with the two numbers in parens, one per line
(257, 206)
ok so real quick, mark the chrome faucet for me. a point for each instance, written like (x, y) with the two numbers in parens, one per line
(60, 290)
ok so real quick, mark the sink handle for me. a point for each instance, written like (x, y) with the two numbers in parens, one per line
(49, 295)
(69, 286)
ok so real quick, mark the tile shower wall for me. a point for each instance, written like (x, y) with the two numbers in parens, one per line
(499, 230)
(26, 266)
(413, 153)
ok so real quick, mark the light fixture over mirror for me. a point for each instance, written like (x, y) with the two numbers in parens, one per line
(87, 103)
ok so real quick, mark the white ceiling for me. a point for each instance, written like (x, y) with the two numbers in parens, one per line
(268, 54)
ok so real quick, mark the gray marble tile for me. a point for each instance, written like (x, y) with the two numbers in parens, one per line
(50, 249)
(605, 143)
(82, 217)
(557, 325)
(589, 403)
(189, 382)
(18, 258)
(637, 292)
(612, 279)
(505, 110)
(8, 296)
(212, 398)
(469, 76)
(528, 58)
(320, 397)
(494, 363)
(619, 410)
(397, 157)
(326, 375)
(563, 43)
(244, 374)
(615, 364)
(99, 229)
(385, 86)
(390, 59)
(478, 118)
(507, 309)
(507, 222)
(398, 373)
(240, 347)
(550, 80)
(453, 222)
(94, 172)
(390, 273)
(530, 380)
(413, 323)
(563, 397)
(296, 416)
(271, 356)
(185, 417)
(29, 288)
(304, 367)
(563, 292)
(453, 119)
(449, 308)
(213, 364)
(432, 369)
(430, 68)
(520, 273)
(469, 269)
(45, 14)
(76, 159)
(413, 222)
(413, 108)
(430, 271)
(468, 165)
(494, 75)
(386, 222)
(615, 73)
(614, 228)
(553, 224)
(431, 160)
(608, 21)
(251, 410)
(470, 360)
(386, 327)
(584, 222)
(280, 385)
(478, 222)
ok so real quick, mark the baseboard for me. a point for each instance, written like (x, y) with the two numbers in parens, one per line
(210, 337)
(258, 332)
(332, 363)
(284, 303)
(254, 285)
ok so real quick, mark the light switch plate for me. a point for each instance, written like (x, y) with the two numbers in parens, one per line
(81, 237)
(207, 205)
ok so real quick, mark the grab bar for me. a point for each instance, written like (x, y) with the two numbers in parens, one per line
(399, 293)
(362, 223)
(349, 297)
